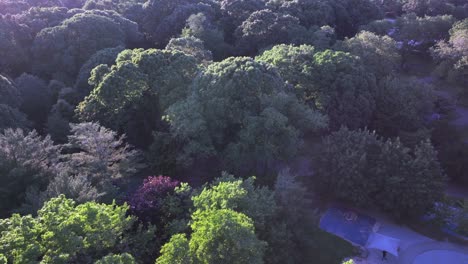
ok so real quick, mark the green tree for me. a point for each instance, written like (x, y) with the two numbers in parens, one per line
(227, 214)
(234, 107)
(13, 118)
(335, 82)
(191, 46)
(164, 19)
(64, 232)
(359, 167)
(239, 195)
(403, 105)
(452, 55)
(436, 7)
(15, 39)
(36, 99)
(422, 32)
(265, 28)
(9, 94)
(380, 54)
(132, 96)
(225, 236)
(212, 35)
(177, 250)
(60, 51)
(105, 56)
(124, 258)
(26, 161)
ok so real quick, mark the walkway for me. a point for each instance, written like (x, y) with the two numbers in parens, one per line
(412, 243)
(408, 255)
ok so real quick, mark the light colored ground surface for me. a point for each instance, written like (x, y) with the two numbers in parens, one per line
(441, 257)
(451, 253)
(412, 246)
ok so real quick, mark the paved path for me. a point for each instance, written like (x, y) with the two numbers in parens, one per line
(409, 255)
(412, 243)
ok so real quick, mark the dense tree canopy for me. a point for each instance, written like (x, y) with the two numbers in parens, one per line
(380, 54)
(164, 19)
(95, 95)
(332, 81)
(64, 232)
(452, 55)
(403, 105)
(26, 161)
(233, 104)
(133, 95)
(60, 51)
(360, 167)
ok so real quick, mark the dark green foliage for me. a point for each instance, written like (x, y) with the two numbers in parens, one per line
(350, 14)
(222, 230)
(12, 118)
(420, 33)
(104, 56)
(199, 26)
(60, 51)
(402, 105)
(124, 258)
(9, 94)
(58, 121)
(131, 9)
(10, 100)
(334, 82)
(310, 13)
(162, 153)
(436, 7)
(293, 235)
(132, 96)
(39, 18)
(265, 28)
(26, 161)
(64, 232)
(164, 19)
(452, 149)
(14, 41)
(235, 106)
(359, 167)
(36, 99)
(452, 56)
(191, 46)
(380, 54)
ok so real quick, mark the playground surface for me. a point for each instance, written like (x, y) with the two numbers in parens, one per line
(348, 224)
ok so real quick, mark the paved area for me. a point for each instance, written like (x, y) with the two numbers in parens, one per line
(443, 252)
(414, 248)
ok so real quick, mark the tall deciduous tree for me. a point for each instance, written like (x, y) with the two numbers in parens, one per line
(234, 107)
(452, 55)
(359, 167)
(381, 54)
(132, 96)
(26, 161)
(334, 82)
(66, 232)
(61, 50)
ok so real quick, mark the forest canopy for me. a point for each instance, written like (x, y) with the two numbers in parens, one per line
(200, 131)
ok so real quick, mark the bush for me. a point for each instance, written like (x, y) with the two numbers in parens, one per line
(359, 167)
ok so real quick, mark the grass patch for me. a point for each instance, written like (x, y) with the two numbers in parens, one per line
(330, 249)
